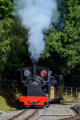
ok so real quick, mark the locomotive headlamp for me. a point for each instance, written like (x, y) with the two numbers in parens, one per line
(43, 73)
(27, 73)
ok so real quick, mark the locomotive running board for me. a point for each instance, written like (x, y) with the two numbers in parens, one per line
(33, 100)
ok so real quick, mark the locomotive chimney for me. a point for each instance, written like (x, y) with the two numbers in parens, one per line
(34, 67)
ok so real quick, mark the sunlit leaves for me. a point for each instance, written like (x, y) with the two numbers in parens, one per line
(6, 7)
(66, 43)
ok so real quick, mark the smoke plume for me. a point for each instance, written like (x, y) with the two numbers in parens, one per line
(36, 16)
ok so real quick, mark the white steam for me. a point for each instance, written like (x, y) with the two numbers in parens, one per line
(36, 17)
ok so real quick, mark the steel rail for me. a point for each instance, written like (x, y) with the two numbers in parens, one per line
(32, 115)
(22, 113)
(18, 115)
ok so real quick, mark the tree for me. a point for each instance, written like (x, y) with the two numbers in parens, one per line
(64, 45)
(6, 8)
(13, 51)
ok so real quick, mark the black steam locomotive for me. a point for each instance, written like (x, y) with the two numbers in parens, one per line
(36, 88)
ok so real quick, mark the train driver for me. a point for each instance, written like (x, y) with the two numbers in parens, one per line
(51, 79)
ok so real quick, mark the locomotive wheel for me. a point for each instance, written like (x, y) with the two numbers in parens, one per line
(47, 104)
(43, 107)
(60, 101)
(22, 106)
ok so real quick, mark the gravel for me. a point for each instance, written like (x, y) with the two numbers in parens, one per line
(6, 116)
(55, 112)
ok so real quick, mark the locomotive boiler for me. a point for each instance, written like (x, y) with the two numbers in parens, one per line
(36, 88)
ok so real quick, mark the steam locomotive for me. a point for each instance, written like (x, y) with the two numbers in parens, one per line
(37, 90)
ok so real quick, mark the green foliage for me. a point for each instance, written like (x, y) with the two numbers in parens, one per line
(66, 44)
(13, 50)
(4, 42)
(13, 53)
(6, 7)
(18, 55)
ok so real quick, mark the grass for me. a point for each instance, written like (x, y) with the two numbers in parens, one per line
(4, 106)
(69, 98)
(7, 101)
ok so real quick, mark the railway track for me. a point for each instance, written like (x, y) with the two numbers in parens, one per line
(76, 110)
(26, 114)
(77, 117)
(53, 112)
(16, 116)
(32, 115)
(29, 114)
